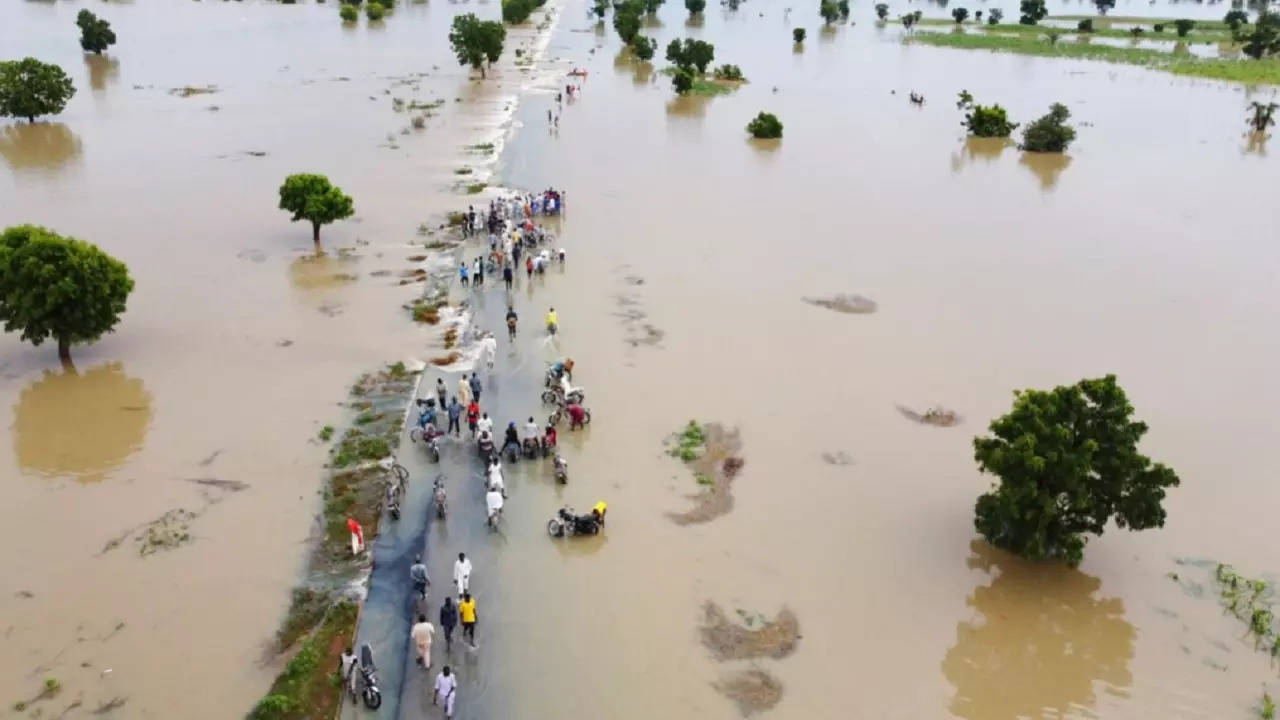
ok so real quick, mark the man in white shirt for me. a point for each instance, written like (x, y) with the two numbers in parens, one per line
(493, 501)
(495, 479)
(532, 431)
(446, 689)
(462, 573)
(485, 424)
(422, 633)
(490, 344)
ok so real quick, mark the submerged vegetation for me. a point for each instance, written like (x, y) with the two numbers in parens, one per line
(765, 126)
(1049, 133)
(309, 685)
(984, 120)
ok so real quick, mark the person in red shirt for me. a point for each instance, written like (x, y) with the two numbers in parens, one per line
(473, 416)
(549, 439)
(357, 536)
(577, 416)
(528, 266)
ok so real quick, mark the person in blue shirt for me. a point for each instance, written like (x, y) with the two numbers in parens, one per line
(455, 413)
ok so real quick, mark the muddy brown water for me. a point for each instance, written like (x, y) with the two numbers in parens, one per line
(1145, 252)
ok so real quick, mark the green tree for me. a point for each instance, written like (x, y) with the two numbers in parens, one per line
(1033, 11)
(1183, 26)
(1104, 5)
(626, 19)
(644, 47)
(960, 14)
(29, 88)
(695, 6)
(600, 8)
(829, 11)
(348, 12)
(515, 12)
(651, 6)
(1261, 117)
(682, 80)
(995, 16)
(1067, 462)
(375, 11)
(476, 41)
(59, 288)
(1235, 18)
(984, 120)
(733, 73)
(690, 53)
(797, 35)
(312, 198)
(1264, 39)
(882, 10)
(908, 20)
(765, 126)
(1085, 26)
(95, 33)
(1050, 133)
(843, 7)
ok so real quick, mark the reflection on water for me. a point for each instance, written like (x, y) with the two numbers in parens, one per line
(978, 148)
(690, 105)
(38, 146)
(81, 425)
(1256, 144)
(317, 272)
(1046, 166)
(101, 69)
(1040, 644)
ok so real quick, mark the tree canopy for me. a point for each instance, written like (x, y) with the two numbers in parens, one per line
(691, 53)
(765, 126)
(95, 33)
(517, 11)
(797, 35)
(626, 19)
(882, 10)
(30, 88)
(960, 14)
(1067, 462)
(695, 6)
(644, 47)
(313, 198)
(984, 120)
(1033, 11)
(1049, 133)
(829, 11)
(476, 41)
(59, 288)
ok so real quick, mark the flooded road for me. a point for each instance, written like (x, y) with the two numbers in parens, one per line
(1145, 252)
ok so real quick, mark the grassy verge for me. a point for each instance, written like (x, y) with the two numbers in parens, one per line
(1109, 20)
(1196, 35)
(309, 685)
(706, 85)
(1242, 71)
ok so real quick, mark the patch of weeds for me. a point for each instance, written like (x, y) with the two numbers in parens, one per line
(457, 218)
(415, 105)
(474, 188)
(306, 610)
(397, 371)
(356, 446)
(438, 245)
(426, 312)
(462, 171)
(1267, 707)
(365, 418)
(306, 687)
(689, 443)
(450, 338)
(703, 479)
(444, 360)
(167, 532)
(481, 147)
(326, 433)
(423, 229)
(51, 687)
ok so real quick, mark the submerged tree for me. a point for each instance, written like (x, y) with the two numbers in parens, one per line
(1085, 25)
(600, 8)
(691, 53)
(908, 20)
(1264, 40)
(984, 120)
(1261, 118)
(829, 11)
(476, 41)
(765, 126)
(695, 7)
(312, 198)
(29, 88)
(1235, 18)
(375, 11)
(626, 19)
(1183, 26)
(1104, 5)
(1050, 133)
(1033, 11)
(644, 47)
(882, 10)
(960, 14)
(348, 12)
(843, 7)
(797, 35)
(59, 288)
(682, 80)
(95, 33)
(995, 16)
(1067, 462)
(651, 6)
(515, 12)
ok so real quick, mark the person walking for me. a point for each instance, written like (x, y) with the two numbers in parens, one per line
(357, 535)
(446, 689)
(448, 621)
(479, 272)
(528, 266)
(490, 344)
(462, 573)
(455, 414)
(421, 633)
(473, 416)
(442, 393)
(467, 611)
(475, 386)
(462, 275)
(511, 322)
(464, 391)
(507, 276)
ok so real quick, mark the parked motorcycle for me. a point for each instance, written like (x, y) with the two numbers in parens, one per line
(561, 469)
(566, 523)
(430, 436)
(555, 396)
(369, 675)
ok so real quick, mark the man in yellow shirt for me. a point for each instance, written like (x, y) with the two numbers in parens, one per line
(467, 613)
(552, 323)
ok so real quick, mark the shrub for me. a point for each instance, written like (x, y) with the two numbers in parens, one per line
(1104, 5)
(1085, 26)
(515, 12)
(644, 47)
(765, 126)
(882, 10)
(995, 16)
(797, 35)
(1033, 11)
(682, 80)
(960, 14)
(1183, 26)
(984, 120)
(1158, 27)
(728, 72)
(695, 6)
(348, 13)
(1235, 19)
(375, 11)
(1050, 133)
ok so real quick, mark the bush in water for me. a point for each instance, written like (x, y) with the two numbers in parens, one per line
(1183, 26)
(984, 120)
(375, 11)
(95, 33)
(1033, 11)
(644, 47)
(882, 11)
(1085, 26)
(695, 6)
(960, 14)
(348, 13)
(1050, 133)
(995, 16)
(29, 88)
(682, 80)
(765, 126)
(797, 35)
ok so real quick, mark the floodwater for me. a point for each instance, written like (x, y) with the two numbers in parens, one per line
(1145, 252)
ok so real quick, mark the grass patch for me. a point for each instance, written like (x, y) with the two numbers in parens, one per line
(1101, 30)
(689, 444)
(450, 338)
(306, 610)
(426, 312)
(474, 188)
(415, 105)
(462, 171)
(326, 433)
(481, 147)
(444, 360)
(356, 447)
(1110, 20)
(308, 686)
(1243, 71)
(367, 417)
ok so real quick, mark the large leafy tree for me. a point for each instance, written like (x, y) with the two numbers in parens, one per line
(1067, 462)
(95, 33)
(59, 288)
(313, 198)
(29, 88)
(690, 53)
(476, 41)
(626, 19)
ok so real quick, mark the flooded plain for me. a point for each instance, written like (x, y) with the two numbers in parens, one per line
(1145, 252)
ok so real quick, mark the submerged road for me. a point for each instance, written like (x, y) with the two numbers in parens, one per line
(510, 393)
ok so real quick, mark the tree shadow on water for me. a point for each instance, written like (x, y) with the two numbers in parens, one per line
(688, 105)
(38, 146)
(1046, 166)
(978, 149)
(1042, 642)
(102, 68)
(80, 425)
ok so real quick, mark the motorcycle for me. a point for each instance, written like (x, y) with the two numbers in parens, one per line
(431, 436)
(486, 450)
(555, 395)
(566, 523)
(561, 469)
(442, 501)
(368, 674)
(559, 413)
(531, 447)
(393, 501)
